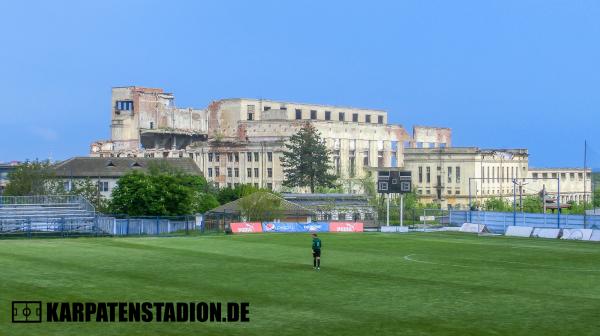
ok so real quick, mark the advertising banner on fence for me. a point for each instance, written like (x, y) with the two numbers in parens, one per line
(255, 227)
(345, 227)
(281, 227)
(246, 227)
(314, 227)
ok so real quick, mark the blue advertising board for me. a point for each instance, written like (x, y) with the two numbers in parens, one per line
(314, 227)
(281, 227)
(295, 227)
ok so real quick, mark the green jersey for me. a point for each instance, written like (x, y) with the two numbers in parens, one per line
(316, 244)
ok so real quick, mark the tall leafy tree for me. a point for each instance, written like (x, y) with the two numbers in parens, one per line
(497, 204)
(262, 206)
(33, 178)
(228, 194)
(306, 160)
(161, 193)
(88, 190)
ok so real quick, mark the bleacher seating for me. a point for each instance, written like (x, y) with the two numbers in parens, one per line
(43, 210)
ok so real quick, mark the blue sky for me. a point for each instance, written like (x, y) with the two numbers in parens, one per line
(522, 74)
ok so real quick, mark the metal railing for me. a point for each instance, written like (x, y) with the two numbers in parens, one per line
(38, 199)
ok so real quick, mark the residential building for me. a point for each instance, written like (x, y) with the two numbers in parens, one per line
(105, 172)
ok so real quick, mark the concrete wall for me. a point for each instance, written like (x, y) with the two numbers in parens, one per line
(431, 137)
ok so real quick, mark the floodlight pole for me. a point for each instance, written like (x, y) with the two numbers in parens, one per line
(387, 218)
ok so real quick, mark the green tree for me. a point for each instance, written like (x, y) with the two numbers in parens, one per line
(533, 204)
(89, 190)
(306, 160)
(33, 178)
(226, 195)
(497, 204)
(596, 198)
(336, 189)
(261, 206)
(161, 193)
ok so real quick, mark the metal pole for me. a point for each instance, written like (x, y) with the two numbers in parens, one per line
(521, 196)
(584, 182)
(544, 198)
(387, 218)
(514, 202)
(558, 202)
(469, 199)
(401, 209)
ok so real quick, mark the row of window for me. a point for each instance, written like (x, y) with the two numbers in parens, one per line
(498, 174)
(428, 174)
(124, 105)
(235, 172)
(101, 185)
(563, 176)
(341, 116)
(235, 157)
(313, 115)
(235, 185)
(428, 192)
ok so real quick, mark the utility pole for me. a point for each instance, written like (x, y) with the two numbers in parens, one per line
(544, 198)
(521, 196)
(520, 184)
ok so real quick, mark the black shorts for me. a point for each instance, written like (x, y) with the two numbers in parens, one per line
(316, 253)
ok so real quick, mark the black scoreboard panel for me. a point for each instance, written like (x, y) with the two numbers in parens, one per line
(394, 182)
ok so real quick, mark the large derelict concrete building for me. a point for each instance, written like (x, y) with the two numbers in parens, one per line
(240, 141)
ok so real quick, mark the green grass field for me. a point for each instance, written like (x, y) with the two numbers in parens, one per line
(369, 284)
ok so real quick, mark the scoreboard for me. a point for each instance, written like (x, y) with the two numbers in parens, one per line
(394, 182)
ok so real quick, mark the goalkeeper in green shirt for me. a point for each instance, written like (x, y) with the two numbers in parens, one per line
(316, 248)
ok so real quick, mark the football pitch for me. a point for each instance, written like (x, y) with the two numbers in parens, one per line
(369, 283)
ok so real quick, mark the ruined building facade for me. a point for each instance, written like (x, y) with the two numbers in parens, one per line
(240, 141)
